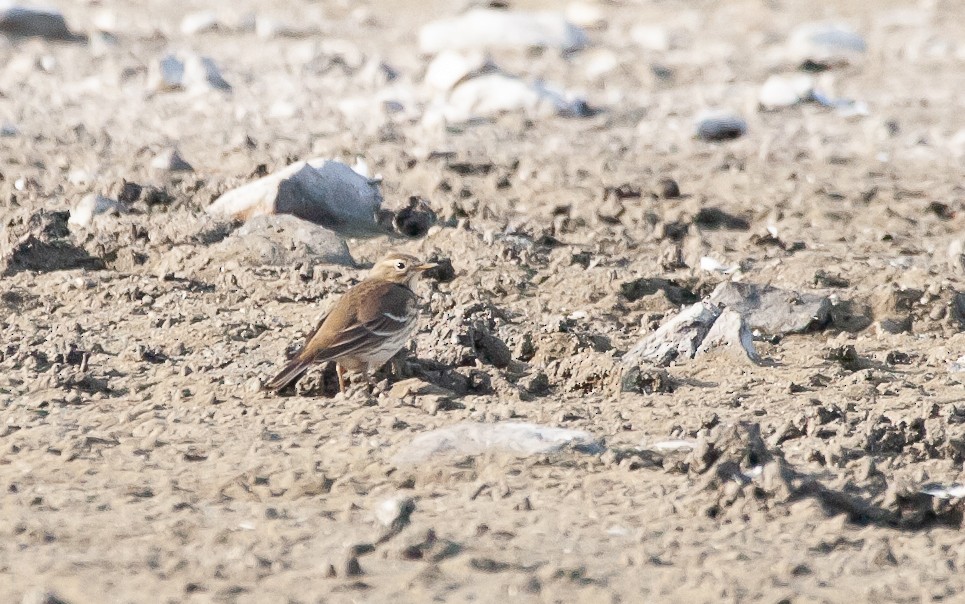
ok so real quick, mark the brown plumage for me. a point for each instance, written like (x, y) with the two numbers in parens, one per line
(367, 326)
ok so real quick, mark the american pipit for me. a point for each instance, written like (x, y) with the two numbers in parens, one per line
(367, 326)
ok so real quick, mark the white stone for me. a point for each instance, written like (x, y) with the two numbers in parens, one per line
(712, 265)
(585, 14)
(485, 28)
(599, 62)
(79, 176)
(651, 37)
(394, 510)
(197, 72)
(954, 491)
(199, 22)
(450, 67)
(494, 93)
(781, 91)
(91, 205)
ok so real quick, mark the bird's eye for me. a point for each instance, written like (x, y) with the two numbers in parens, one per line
(400, 265)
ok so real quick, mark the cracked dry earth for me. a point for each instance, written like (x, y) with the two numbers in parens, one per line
(141, 462)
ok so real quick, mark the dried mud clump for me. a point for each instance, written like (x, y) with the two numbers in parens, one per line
(41, 241)
(468, 334)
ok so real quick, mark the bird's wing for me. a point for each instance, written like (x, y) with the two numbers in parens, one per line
(352, 328)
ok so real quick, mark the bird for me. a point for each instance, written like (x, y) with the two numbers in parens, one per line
(367, 326)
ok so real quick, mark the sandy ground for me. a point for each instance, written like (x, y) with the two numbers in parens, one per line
(140, 462)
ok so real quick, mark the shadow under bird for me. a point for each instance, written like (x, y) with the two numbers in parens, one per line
(368, 325)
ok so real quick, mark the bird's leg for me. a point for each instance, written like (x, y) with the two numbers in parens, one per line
(341, 376)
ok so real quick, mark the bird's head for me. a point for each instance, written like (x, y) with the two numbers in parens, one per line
(399, 268)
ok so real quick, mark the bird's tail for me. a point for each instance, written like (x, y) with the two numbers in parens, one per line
(290, 374)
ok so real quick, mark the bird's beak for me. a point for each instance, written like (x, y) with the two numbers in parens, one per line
(426, 266)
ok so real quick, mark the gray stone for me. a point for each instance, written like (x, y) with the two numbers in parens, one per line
(718, 126)
(170, 160)
(282, 241)
(202, 72)
(29, 22)
(167, 74)
(327, 193)
(773, 310)
(825, 45)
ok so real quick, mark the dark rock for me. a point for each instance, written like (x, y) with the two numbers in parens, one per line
(669, 189)
(823, 278)
(896, 357)
(647, 286)
(715, 218)
(130, 192)
(443, 272)
(415, 219)
(846, 356)
(721, 128)
(32, 22)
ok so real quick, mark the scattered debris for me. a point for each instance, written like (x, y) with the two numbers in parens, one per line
(197, 73)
